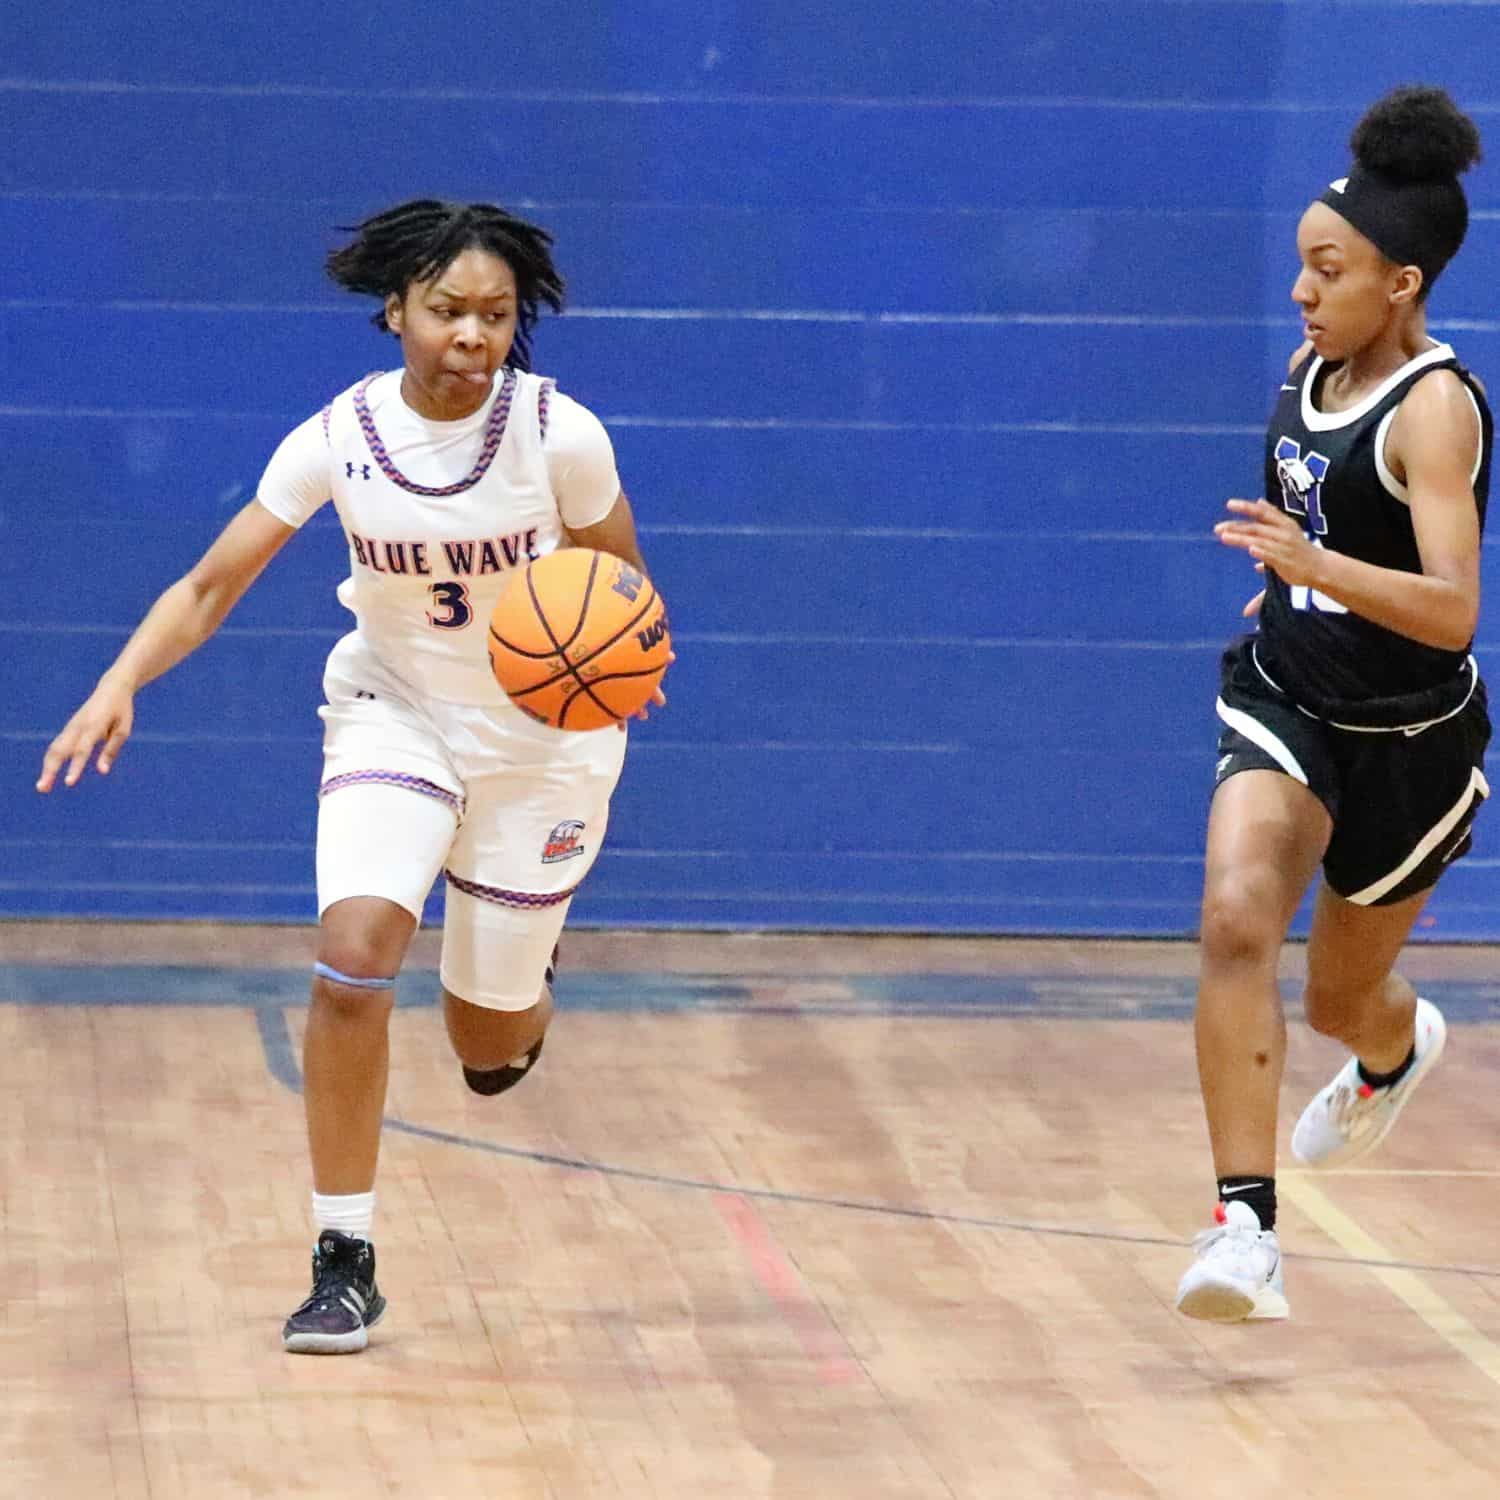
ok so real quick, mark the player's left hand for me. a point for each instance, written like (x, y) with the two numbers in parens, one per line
(1271, 537)
(1252, 608)
(658, 698)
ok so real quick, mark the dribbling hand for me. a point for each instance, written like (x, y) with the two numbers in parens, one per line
(658, 699)
(107, 715)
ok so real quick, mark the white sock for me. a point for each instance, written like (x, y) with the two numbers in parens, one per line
(349, 1213)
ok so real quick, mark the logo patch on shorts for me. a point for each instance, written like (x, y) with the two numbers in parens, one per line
(1224, 763)
(564, 842)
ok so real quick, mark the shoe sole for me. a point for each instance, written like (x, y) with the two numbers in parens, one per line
(1222, 1302)
(334, 1343)
(1419, 1071)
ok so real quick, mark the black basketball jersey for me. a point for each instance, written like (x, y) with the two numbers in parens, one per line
(1328, 471)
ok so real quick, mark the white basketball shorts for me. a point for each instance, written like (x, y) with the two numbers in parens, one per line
(512, 812)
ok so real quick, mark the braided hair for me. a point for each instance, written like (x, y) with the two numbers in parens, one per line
(420, 239)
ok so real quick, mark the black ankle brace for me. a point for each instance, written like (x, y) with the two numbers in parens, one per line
(1385, 1080)
(1258, 1192)
(491, 1081)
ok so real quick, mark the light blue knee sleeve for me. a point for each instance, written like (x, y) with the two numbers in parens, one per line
(323, 971)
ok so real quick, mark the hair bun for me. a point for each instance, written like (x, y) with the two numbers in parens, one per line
(1416, 134)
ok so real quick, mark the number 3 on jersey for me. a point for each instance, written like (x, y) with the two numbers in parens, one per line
(450, 606)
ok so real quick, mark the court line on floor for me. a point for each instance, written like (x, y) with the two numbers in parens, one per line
(1401, 1281)
(281, 1062)
(957, 994)
(1398, 1172)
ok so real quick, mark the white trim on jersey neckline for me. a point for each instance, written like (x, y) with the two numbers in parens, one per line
(1317, 421)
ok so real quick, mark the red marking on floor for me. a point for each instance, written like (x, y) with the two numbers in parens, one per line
(820, 1340)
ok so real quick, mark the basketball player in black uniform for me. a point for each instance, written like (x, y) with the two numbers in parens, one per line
(1353, 722)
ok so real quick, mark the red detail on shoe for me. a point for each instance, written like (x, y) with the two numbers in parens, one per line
(1365, 1091)
(1221, 1214)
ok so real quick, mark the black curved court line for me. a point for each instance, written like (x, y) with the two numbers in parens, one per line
(281, 1062)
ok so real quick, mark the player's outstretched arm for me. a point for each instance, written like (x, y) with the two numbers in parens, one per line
(179, 622)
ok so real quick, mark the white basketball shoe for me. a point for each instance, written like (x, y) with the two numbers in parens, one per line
(1236, 1271)
(1349, 1118)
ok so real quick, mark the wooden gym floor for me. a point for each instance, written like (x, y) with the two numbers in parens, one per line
(802, 1218)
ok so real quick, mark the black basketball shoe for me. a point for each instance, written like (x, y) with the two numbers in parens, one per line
(491, 1081)
(345, 1302)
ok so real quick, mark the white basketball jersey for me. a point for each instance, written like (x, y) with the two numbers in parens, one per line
(428, 561)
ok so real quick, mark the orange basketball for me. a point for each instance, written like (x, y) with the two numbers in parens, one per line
(579, 639)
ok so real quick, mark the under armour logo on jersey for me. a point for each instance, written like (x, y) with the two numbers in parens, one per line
(364, 470)
(1301, 475)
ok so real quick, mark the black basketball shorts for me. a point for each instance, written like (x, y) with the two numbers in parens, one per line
(1403, 801)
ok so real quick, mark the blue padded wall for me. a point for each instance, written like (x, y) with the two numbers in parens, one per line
(931, 337)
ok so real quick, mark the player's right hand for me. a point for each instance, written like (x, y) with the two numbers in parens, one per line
(107, 715)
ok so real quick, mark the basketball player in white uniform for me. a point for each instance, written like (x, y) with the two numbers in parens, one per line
(447, 475)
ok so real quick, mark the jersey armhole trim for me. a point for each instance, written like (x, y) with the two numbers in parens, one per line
(1392, 485)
